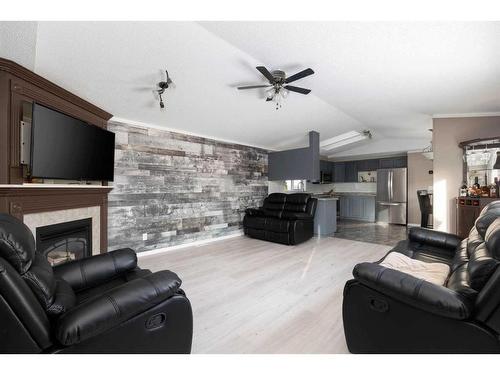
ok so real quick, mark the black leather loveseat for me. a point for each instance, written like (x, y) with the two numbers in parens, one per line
(388, 311)
(283, 218)
(100, 304)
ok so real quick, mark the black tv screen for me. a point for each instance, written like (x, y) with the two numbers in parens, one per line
(63, 147)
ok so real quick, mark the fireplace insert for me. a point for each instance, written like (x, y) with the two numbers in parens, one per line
(66, 241)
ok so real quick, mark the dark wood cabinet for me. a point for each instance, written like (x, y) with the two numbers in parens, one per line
(468, 210)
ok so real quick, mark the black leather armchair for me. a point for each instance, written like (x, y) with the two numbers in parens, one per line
(100, 304)
(283, 218)
(388, 311)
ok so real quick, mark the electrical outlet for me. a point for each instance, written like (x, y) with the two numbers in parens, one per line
(144, 236)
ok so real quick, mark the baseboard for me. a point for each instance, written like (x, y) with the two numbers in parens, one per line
(190, 244)
(413, 225)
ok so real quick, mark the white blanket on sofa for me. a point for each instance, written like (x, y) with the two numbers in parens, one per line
(432, 272)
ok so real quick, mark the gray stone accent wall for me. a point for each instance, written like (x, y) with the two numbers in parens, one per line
(179, 188)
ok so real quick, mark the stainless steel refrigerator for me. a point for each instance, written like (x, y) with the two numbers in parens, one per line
(391, 195)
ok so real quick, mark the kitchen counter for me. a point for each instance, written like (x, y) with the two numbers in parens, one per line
(357, 193)
(325, 219)
(321, 198)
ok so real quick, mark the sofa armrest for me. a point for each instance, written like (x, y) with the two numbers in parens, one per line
(254, 212)
(296, 216)
(88, 272)
(114, 307)
(415, 292)
(434, 238)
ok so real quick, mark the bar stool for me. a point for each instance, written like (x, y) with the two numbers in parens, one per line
(424, 201)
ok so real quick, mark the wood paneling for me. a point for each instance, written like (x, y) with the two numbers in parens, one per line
(19, 85)
(18, 201)
(179, 188)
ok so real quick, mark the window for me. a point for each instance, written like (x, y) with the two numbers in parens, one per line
(295, 185)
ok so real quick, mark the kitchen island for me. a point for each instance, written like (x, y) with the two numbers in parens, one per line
(325, 219)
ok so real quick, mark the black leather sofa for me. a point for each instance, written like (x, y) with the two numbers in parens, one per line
(388, 311)
(283, 218)
(100, 304)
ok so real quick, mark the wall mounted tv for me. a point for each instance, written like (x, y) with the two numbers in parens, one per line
(63, 147)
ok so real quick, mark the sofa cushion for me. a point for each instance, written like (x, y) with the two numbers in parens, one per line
(254, 212)
(435, 273)
(277, 225)
(418, 251)
(492, 238)
(296, 215)
(481, 266)
(274, 202)
(255, 222)
(40, 279)
(17, 244)
(483, 222)
(297, 202)
(459, 281)
(461, 256)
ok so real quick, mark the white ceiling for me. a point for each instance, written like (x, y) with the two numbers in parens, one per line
(387, 77)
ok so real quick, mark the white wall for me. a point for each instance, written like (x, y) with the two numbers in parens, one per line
(418, 179)
(448, 164)
(18, 42)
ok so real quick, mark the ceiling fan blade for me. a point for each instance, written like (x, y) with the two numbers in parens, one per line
(266, 74)
(252, 87)
(299, 75)
(300, 90)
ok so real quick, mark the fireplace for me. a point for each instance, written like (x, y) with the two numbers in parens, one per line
(66, 241)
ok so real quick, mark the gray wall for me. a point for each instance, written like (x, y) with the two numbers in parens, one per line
(296, 164)
(180, 188)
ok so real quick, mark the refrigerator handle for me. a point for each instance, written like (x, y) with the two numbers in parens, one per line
(390, 185)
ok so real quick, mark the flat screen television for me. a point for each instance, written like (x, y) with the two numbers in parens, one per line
(63, 147)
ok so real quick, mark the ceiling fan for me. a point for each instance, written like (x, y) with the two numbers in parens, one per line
(279, 84)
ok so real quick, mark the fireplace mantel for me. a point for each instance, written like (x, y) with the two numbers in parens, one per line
(18, 200)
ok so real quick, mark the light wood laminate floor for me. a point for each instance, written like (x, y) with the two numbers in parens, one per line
(252, 296)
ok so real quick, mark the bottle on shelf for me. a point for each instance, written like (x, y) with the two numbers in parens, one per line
(476, 183)
(493, 190)
(464, 191)
(485, 189)
(475, 189)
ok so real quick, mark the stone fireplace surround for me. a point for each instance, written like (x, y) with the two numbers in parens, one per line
(41, 219)
(44, 204)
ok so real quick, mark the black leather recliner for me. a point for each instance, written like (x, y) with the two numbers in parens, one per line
(100, 304)
(388, 311)
(283, 218)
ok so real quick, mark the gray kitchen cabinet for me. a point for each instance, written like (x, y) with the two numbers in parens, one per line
(351, 171)
(357, 207)
(396, 162)
(339, 172)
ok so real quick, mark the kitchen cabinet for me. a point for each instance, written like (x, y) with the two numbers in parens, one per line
(397, 162)
(339, 172)
(351, 171)
(357, 207)
(367, 165)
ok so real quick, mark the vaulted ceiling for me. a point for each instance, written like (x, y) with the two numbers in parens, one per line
(390, 78)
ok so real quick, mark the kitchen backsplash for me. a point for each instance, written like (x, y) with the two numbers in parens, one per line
(344, 187)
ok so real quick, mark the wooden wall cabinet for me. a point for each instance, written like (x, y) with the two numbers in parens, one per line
(468, 210)
(18, 86)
